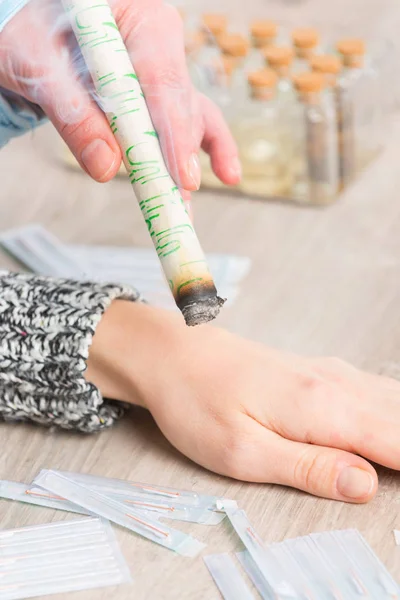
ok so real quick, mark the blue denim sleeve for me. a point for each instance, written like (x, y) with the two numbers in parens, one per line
(17, 115)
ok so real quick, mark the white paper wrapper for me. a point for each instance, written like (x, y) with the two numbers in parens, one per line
(160, 201)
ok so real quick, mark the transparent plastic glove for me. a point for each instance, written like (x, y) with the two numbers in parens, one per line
(40, 60)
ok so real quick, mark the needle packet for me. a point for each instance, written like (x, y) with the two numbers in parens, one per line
(255, 575)
(118, 512)
(42, 252)
(362, 569)
(12, 490)
(278, 580)
(37, 561)
(169, 509)
(129, 489)
(227, 577)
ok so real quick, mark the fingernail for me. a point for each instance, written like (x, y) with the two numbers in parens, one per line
(194, 171)
(235, 169)
(354, 483)
(98, 159)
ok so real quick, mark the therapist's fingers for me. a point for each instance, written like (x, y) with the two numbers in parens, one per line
(42, 67)
(218, 142)
(154, 38)
(84, 128)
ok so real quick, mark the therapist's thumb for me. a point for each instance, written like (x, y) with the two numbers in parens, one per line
(84, 128)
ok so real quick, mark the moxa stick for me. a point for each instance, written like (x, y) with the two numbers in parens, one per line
(124, 104)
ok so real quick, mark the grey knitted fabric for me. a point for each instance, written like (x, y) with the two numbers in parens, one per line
(46, 329)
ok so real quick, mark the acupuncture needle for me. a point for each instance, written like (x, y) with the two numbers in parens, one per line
(159, 532)
(40, 495)
(359, 586)
(158, 491)
(148, 505)
(55, 539)
(17, 586)
(53, 527)
(60, 552)
(254, 537)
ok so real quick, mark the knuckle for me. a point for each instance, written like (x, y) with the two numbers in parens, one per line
(312, 385)
(71, 129)
(311, 470)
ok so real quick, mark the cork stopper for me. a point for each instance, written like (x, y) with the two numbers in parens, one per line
(263, 33)
(309, 82)
(215, 23)
(264, 78)
(234, 44)
(352, 51)
(351, 46)
(305, 38)
(328, 64)
(262, 84)
(279, 56)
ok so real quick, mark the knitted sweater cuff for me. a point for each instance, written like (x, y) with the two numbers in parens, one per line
(46, 329)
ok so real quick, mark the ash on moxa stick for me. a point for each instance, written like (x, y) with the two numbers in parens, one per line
(124, 104)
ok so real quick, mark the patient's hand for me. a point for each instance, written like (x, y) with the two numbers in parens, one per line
(244, 410)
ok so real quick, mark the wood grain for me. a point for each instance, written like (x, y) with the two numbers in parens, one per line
(323, 282)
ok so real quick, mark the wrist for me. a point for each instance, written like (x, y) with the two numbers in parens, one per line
(128, 356)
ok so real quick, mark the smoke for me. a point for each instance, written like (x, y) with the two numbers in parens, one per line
(40, 59)
(43, 62)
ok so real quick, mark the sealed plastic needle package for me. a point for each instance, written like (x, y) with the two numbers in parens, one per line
(59, 557)
(132, 489)
(118, 512)
(329, 565)
(227, 577)
(20, 492)
(275, 577)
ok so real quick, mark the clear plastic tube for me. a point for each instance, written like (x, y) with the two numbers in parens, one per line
(367, 563)
(255, 575)
(276, 577)
(133, 489)
(12, 490)
(59, 557)
(327, 582)
(41, 252)
(169, 509)
(58, 585)
(227, 577)
(119, 513)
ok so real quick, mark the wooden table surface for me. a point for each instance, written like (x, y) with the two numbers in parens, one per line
(323, 282)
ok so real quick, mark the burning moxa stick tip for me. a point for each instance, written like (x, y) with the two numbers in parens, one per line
(202, 311)
(197, 298)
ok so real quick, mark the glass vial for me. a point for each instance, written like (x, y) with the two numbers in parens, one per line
(264, 140)
(235, 48)
(263, 34)
(280, 59)
(330, 66)
(361, 84)
(317, 167)
(212, 27)
(305, 43)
